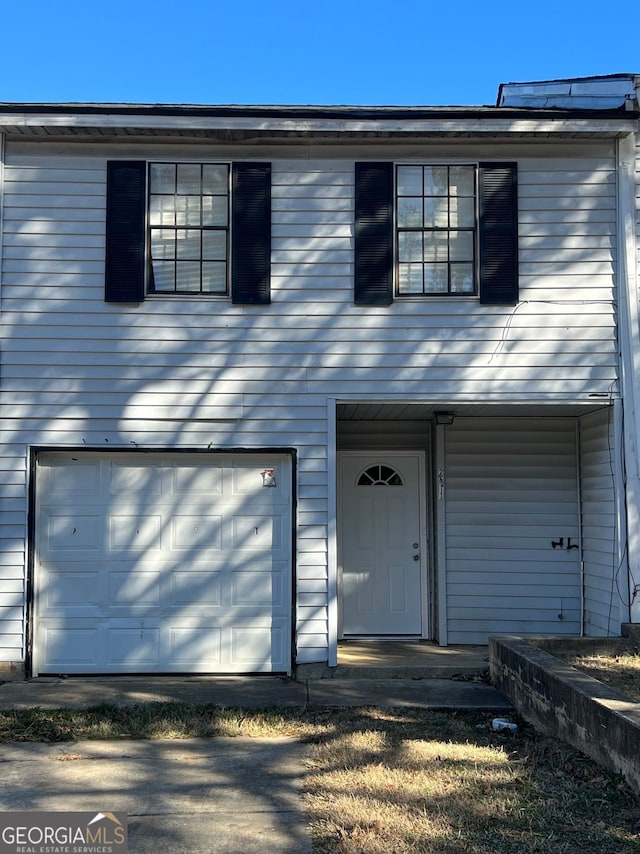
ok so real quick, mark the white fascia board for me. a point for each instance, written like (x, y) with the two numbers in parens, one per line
(550, 126)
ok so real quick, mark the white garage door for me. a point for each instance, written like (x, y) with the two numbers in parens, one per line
(172, 563)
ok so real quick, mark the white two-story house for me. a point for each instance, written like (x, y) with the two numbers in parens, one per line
(274, 377)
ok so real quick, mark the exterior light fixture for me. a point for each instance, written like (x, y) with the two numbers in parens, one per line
(444, 417)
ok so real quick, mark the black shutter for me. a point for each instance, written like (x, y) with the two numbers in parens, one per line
(374, 234)
(251, 234)
(124, 261)
(498, 233)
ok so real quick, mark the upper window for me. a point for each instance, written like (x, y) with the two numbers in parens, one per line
(436, 230)
(188, 228)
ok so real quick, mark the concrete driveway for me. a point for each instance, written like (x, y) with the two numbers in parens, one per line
(201, 796)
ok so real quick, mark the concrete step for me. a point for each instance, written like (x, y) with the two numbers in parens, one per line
(430, 693)
(632, 632)
(463, 672)
(400, 660)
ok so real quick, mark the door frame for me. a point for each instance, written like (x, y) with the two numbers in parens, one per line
(425, 587)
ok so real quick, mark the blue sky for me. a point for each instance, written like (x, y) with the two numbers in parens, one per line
(334, 52)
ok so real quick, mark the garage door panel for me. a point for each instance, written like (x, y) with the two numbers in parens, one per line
(191, 645)
(264, 589)
(135, 533)
(263, 478)
(257, 646)
(257, 532)
(203, 586)
(77, 591)
(70, 650)
(71, 477)
(138, 589)
(74, 532)
(189, 532)
(169, 571)
(143, 479)
(188, 480)
(133, 647)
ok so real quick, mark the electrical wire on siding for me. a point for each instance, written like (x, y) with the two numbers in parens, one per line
(507, 327)
(618, 563)
(579, 500)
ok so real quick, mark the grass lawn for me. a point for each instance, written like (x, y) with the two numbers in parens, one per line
(389, 781)
(620, 669)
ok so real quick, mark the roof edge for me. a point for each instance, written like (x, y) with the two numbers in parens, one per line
(301, 111)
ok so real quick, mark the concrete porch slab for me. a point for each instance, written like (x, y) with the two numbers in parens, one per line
(385, 659)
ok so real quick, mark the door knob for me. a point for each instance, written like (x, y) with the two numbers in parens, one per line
(416, 557)
(416, 545)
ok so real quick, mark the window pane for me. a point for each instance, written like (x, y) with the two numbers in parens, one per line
(463, 213)
(189, 178)
(162, 210)
(409, 213)
(410, 246)
(214, 245)
(188, 210)
(385, 473)
(462, 181)
(435, 213)
(409, 180)
(435, 278)
(163, 178)
(188, 276)
(214, 277)
(410, 278)
(163, 243)
(435, 181)
(215, 180)
(436, 246)
(214, 210)
(461, 246)
(188, 243)
(163, 275)
(462, 279)
(188, 230)
(436, 229)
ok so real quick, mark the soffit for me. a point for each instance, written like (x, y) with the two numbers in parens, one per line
(244, 124)
(407, 411)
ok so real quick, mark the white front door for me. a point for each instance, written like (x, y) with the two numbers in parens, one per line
(382, 544)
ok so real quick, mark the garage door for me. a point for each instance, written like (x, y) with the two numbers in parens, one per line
(160, 564)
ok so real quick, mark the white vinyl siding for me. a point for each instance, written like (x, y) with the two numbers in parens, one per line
(510, 492)
(192, 373)
(605, 575)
